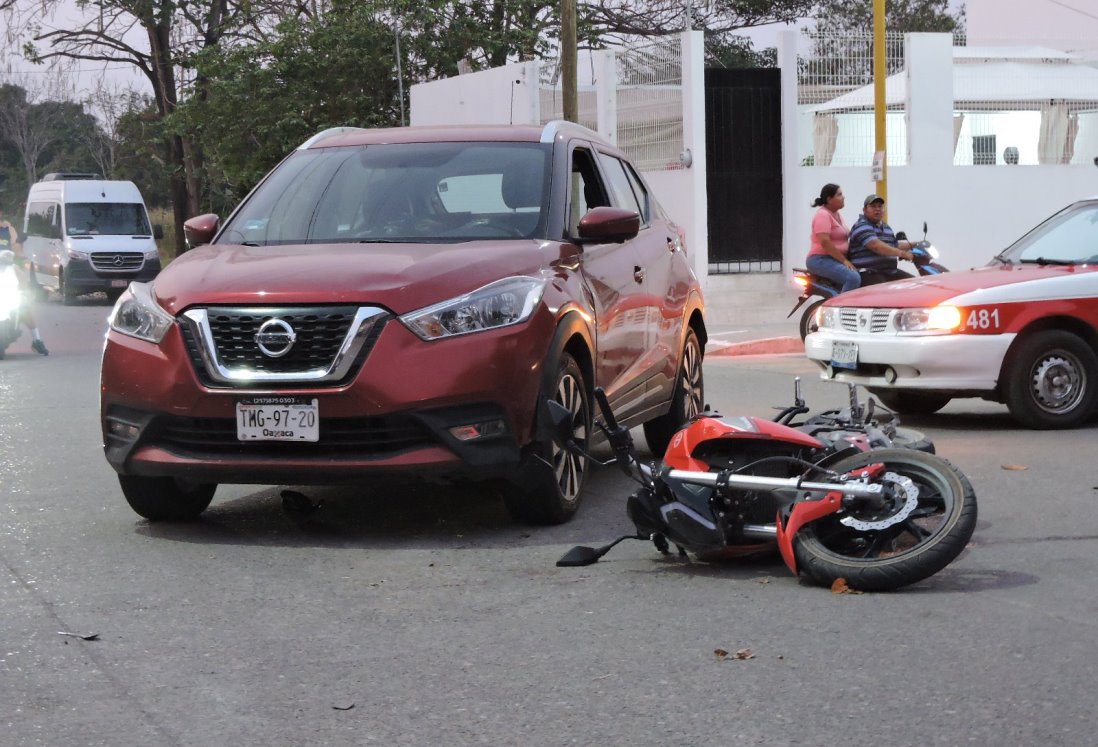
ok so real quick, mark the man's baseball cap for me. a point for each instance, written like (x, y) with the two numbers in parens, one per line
(871, 199)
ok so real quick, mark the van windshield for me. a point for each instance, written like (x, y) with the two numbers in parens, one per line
(106, 219)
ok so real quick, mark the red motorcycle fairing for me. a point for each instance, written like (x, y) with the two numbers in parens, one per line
(805, 512)
(680, 451)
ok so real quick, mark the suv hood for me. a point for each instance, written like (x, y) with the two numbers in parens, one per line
(985, 283)
(400, 277)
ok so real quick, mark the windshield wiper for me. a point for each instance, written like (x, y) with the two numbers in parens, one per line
(1042, 261)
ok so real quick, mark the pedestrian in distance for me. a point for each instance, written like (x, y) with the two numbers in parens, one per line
(9, 239)
(827, 256)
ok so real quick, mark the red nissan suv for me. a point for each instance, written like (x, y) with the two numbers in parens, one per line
(404, 301)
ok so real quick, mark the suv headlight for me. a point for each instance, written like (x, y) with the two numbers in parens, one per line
(934, 319)
(137, 314)
(499, 304)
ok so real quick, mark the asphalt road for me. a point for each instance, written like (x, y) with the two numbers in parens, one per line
(404, 614)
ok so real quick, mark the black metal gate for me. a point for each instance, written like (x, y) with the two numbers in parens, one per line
(743, 143)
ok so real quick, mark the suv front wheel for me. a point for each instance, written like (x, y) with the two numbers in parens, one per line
(551, 496)
(165, 498)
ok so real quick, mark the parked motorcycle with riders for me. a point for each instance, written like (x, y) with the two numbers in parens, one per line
(839, 494)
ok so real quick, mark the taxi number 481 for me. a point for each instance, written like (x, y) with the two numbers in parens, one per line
(983, 319)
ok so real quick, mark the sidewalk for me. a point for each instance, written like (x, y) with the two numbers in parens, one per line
(755, 339)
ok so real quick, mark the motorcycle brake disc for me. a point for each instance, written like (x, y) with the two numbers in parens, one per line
(911, 494)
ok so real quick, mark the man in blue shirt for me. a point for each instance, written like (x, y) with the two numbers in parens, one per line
(873, 244)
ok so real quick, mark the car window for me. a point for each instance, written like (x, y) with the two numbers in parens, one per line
(641, 192)
(586, 189)
(415, 192)
(1069, 236)
(620, 186)
(106, 219)
(43, 220)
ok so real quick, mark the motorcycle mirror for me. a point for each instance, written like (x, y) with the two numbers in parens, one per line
(797, 399)
(582, 555)
(560, 420)
(924, 229)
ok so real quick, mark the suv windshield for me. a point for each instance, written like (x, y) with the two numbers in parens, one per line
(416, 192)
(106, 219)
(1069, 237)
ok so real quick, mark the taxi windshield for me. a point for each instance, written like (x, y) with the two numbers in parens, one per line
(1068, 238)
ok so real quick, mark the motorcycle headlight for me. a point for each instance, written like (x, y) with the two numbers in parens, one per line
(10, 295)
(827, 317)
(137, 314)
(934, 319)
(499, 304)
(932, 251)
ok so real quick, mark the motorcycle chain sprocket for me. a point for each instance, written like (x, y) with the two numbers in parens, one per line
(911, 493)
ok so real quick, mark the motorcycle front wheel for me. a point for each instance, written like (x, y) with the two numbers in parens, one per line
(928, 522)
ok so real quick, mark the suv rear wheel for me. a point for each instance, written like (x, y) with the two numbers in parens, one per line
(552, 496)
(687, 400)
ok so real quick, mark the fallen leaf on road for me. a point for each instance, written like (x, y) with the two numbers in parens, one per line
(839, 586)
(743, 653)
(1015, 467)
(721, 653)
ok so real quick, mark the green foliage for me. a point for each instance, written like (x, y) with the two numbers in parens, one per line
(263, 100)
(906, 16)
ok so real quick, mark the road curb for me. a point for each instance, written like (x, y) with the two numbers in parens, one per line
(769, 346)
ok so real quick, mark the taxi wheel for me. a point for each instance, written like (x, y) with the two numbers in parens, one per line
(165, 498)
(1052, 381)
(907, 402)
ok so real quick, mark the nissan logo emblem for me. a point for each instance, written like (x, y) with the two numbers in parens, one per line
(275, 338)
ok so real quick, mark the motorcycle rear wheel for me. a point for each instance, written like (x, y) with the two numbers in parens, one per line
(808, 318)
(929, 539)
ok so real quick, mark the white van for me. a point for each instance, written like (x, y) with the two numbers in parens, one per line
(84, 235)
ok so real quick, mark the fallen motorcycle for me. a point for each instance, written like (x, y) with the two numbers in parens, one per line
(924, 257)
(834, 493)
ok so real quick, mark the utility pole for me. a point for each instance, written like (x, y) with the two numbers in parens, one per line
(568, 59)
(880, 105)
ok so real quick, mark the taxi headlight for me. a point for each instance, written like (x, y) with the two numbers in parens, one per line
(934, 319)
(827, 317)
(500, 304)
(137, 314)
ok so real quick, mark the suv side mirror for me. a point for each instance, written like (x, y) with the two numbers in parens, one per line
(609, 224)
(201, 229)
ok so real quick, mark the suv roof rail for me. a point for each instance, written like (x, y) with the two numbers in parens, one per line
(325, 134)
(561, 126)
(64, 176)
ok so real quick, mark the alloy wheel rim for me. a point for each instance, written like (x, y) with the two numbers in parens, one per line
(692, 381)
(569, 466)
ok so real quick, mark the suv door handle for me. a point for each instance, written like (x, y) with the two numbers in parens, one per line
(638, 273)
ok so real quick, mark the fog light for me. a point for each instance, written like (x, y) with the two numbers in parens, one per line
(890, 375)
(475, 431)
(124, 431)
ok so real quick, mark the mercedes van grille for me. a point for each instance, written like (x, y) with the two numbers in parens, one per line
(314, 344)
(117, 261)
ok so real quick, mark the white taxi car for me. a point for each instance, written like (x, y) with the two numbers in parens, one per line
(1022, 330)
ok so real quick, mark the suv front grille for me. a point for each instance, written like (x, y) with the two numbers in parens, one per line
(117, 261)
(329, 346)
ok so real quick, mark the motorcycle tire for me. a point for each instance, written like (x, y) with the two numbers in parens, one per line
(808, 318)
(883, 558)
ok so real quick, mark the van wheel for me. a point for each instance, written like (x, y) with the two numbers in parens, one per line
(166, 498)
(552, 496)
(68, 295)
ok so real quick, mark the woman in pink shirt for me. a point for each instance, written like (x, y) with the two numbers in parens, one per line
(827, 257)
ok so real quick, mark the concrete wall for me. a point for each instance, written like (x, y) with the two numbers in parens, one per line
(973, 212)
(502, 95)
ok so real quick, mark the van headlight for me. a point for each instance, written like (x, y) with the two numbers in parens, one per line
(499, 304)
(933, 319)
(137, 314)
(77, 254)
(152, 254)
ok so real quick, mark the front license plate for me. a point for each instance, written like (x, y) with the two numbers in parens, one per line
(277, 419)
(119, 283)
(844, 354)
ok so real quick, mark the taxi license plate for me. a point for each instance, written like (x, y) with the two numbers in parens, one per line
(844, 354)
(119, 283)
(277, 419)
